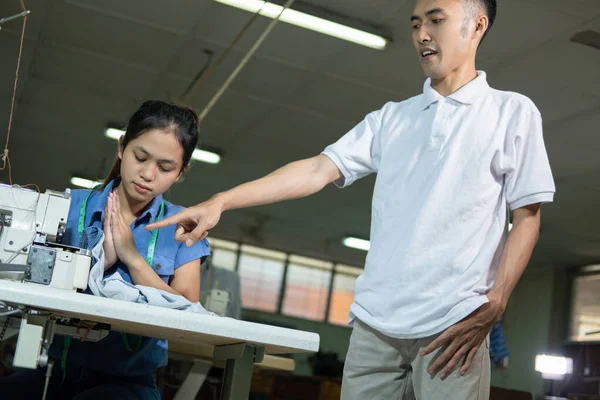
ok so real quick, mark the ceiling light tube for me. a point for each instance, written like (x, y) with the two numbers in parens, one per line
(310, 22)
(84, 183)
(356, 243)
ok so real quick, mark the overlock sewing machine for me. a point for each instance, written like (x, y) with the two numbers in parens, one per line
(32, 226)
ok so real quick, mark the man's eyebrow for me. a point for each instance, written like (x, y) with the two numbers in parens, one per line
(427, 14)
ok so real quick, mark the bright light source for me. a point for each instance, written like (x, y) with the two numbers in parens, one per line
(510, 226)
(356, 243)
(84, 183)
(114, 134)
(198, 154)
(310, 22)
(553, 367)
(591, 268)
(206, 156)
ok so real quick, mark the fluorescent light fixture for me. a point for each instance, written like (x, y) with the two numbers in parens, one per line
(356, 243)
(591, 268)
(114, 134)
(552, 367)
(84, 183)
(206, 156)
(198, 154)
(310, 22)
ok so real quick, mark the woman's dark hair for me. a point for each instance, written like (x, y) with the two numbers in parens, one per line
(154, 114)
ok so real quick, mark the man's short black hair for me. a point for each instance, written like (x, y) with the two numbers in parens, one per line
(489, 7)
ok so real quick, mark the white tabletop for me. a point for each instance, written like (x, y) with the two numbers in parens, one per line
(159, 322)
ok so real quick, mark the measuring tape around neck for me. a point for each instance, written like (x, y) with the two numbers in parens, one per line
(153, 238)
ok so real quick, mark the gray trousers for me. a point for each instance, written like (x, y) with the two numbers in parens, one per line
(380, 367)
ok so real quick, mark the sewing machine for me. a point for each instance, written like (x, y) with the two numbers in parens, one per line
(31, 229)
(32, 226)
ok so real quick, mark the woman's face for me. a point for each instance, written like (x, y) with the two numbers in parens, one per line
(150, 164)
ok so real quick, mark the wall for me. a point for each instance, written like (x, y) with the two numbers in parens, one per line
(528, 324)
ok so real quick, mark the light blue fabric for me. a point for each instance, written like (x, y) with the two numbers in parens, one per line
(115, 287)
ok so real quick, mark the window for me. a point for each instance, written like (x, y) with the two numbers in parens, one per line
(585, 315)
(261, 273)
(309, 283)
(306, 288)
(223, 253)
(342, 293)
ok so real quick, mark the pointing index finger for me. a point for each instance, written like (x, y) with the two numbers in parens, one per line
(172, 220)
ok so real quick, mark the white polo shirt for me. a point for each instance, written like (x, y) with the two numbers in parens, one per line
(447, 168)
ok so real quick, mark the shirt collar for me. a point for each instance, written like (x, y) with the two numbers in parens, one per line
(97, 204)
(465, 95)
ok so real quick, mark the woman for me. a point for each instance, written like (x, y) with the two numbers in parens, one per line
(153, 154)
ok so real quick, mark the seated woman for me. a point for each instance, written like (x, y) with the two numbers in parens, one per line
(153, 154)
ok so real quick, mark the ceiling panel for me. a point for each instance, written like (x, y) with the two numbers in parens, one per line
(369, 12)
(309, 134)
(77, 111)
(555, 98)
(339, 99)
(523, 26)
(301, 47)
(144, 45)
(266, 79)
(177, 16)
(578, 8)
(558, 63)
(98, 74)
(398, 69)
(221, 24)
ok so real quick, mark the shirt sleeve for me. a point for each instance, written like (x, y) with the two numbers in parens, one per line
(357, 153)
(185, 254)
(529, 177)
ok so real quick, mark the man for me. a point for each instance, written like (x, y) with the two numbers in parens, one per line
(442, 266)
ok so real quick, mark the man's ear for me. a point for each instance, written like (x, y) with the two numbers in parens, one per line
(481, 24)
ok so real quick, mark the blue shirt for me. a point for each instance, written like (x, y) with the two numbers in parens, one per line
(110, 355)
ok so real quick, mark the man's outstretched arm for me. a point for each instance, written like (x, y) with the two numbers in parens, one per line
(293, 181)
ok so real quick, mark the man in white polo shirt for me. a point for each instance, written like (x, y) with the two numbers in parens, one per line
(451, 164)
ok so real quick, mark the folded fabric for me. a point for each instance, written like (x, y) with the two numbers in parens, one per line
(115, 287)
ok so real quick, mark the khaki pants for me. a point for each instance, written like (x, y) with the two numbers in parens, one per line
(380, 367)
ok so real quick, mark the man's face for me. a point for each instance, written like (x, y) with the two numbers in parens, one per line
(443, 34)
